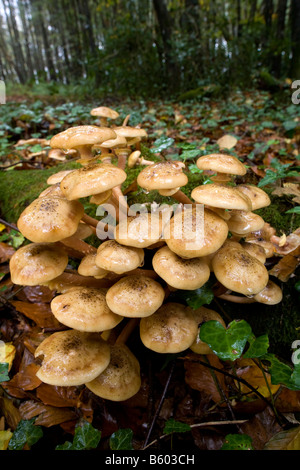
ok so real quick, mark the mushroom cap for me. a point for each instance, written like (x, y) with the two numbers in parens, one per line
(162, 175)
(37, 263)
(57, 177)
(221, 163)
(88, 267)
(135, 296)
(83, 231)
(130, 132)
(117, 258)
(112, 143)
(92, 179)
(133, 158)
(101, 198)
(243, 222)
(222, 196)
(270, 295)
(258, 197)
(203, 315)
(240, 272)
(81, 135)
(84, 309)
(104, 111)
(121, 379)
(194, 233)
(50, 219)
(171, 329)
(139, 231)
(72, 357)
(53, 190)
(186, 274)
(256, 251)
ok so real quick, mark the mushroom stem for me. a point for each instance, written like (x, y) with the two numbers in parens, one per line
(182, 198)
(74, 279)
(125, 122)
(120, 199)
(79, 245)
(221, 178)
(89, 220)
(236, 299)
(85, 152)
(127, 330)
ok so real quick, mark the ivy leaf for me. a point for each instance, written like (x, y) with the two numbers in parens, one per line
(121, 440)
(282, 373)
(86, 437)
(258, 347)
(4, 372)
(237, 442)
(175, 426)
(196, 298)
(161, 144)
(25, 433)
(227, 343)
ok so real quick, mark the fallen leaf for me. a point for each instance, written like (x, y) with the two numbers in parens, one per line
(6, 252)
(286, 266)
(285, 440)
(46, 415)
(39, 312)
(5, 437)
(7, 353)
(248, 370)
(289, 189)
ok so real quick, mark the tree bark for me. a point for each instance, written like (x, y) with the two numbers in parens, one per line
(295, 36)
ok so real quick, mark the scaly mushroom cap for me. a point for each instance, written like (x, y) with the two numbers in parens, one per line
(135, 296)
(50, 219)
(84, 309)
(104, 111)
(112, 256)
(92, 179)
(80, 136)
(171, 329)
(243, 222)
(270, 295)
(240, 272)
(221, 163)
(203, 315)
(258, 197)
(256, 251)
(222, 196)
(121, 379)
(139, 231)
(88, 267)
(37, 263)
(71, 358)
(187, 274)
(162, 175)
(194, 233)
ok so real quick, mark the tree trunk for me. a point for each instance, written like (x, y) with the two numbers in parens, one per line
(295, 36)
(280, 14)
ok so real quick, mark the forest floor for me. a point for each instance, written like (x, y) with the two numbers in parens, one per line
(185, 401)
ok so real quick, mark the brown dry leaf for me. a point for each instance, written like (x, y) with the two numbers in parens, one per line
(59, 396)
(40, 313)
(25, 379)
(261, 428)
(6, 252)
(200, 377)
(248, 370)
(287, 265)
(285, 440)
(46, 415)
(288, 401)
(10, 412)
(289, 189)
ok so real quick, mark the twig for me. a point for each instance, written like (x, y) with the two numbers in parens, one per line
(160, 404)
(201, 425)
(7, 224)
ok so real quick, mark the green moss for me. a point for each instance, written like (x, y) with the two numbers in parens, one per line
(276, 215)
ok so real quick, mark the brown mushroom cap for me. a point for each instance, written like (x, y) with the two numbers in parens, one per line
(187, 274)
(258, 197)
(243, 222)
(101, 198)
(53, 190)
(50, 219)
(121, 379)
(221, 163)
(88, 267)
(57, 177)
(193, 233)
(256, 251)
(135, 296)
(37, 263)
(162, 175)
(222, 196)
(270, 295)
(79, 136)
(203, 315)
(104, 111)
(119, 141)
(130, 132)
(240, 272)
(72, 357)
(139, 231)
(112, 256)
(171, 329)
(91, 179)
(84, 309)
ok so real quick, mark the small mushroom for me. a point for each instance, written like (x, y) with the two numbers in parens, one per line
(270, 295)
(88, 267)
(37, 263)
(104, 114)
(244, 222)
(135, 158)
(112, 256)
(84, 309)
(203, 315)
(187, 274)
(238, 271)
(57, 177)
(193, 233)
(258, 197)
(171, 329)
(223, 165)
(255, 250)
(140, 231)
(135, 296)
(121, 379)
(72, 358)
(221, 196)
